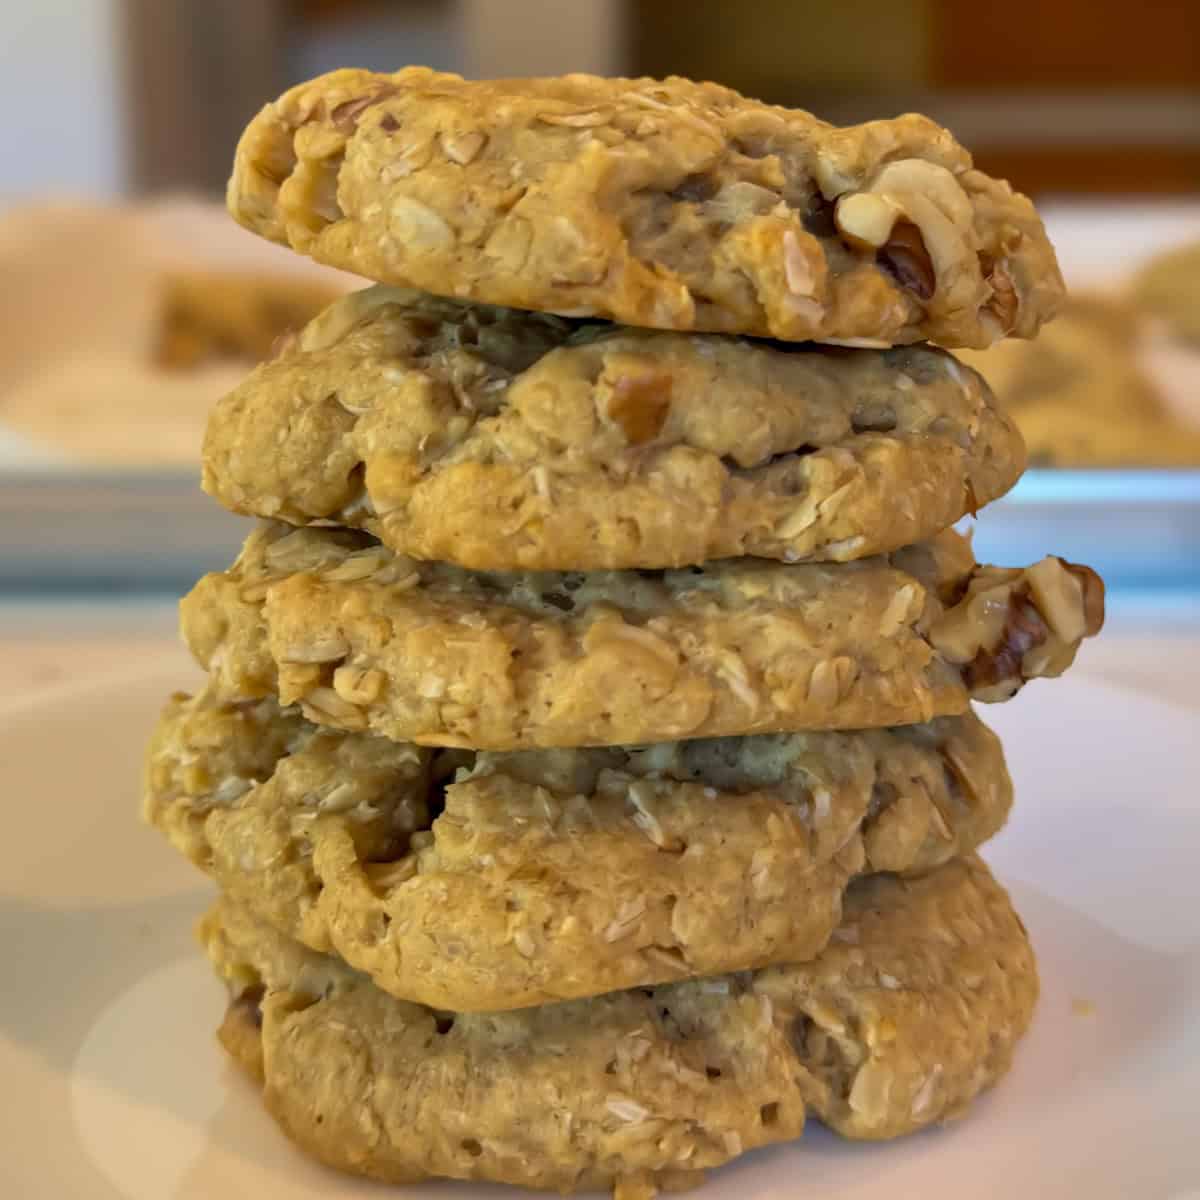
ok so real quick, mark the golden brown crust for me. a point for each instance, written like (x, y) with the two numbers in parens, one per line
(504, 440)
(554, 874)
(365, 639)
(671, 204)
(914, 1008)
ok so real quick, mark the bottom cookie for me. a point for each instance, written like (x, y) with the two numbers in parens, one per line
(913, 1009)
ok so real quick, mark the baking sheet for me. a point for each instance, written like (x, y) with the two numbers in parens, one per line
(140, 530)
(111, 531)
(1139, 529)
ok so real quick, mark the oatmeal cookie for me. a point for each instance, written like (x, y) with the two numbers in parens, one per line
(363, 639)
(505, 440)
(494, 881)
(667, 204)
(914, 1008)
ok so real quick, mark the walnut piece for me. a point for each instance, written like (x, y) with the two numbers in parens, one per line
(917, 216)
(1013, 625)
(639, 405)
(905, 256)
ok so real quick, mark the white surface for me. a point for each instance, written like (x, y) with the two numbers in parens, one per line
(115, 1087)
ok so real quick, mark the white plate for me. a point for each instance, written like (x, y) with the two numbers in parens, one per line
(111, 1084)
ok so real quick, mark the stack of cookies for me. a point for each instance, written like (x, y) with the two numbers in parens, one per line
(587, 758)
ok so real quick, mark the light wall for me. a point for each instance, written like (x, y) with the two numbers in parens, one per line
(541, 37)
(59, 93)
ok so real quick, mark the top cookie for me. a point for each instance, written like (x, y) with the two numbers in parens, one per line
(671, 204)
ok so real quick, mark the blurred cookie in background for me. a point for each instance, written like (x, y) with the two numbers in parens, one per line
(1168, 287)
(144, 403)
(121, 325)
(214, 316)
(1082, 394)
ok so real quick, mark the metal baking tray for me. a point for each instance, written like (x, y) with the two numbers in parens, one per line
(156, 531)
(111, 531)
(1139, 528)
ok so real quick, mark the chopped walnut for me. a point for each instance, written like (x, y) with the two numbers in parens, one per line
(1005, 303)
(996, 672)
(918, 218)
(1093, 595)
(1011, 626)
(345, 116)
(463, 148)
(905, 256)
(639, 405)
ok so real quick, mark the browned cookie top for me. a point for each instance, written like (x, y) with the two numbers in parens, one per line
(669, 204)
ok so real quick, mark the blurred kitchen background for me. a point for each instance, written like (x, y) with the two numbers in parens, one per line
(130, 302)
